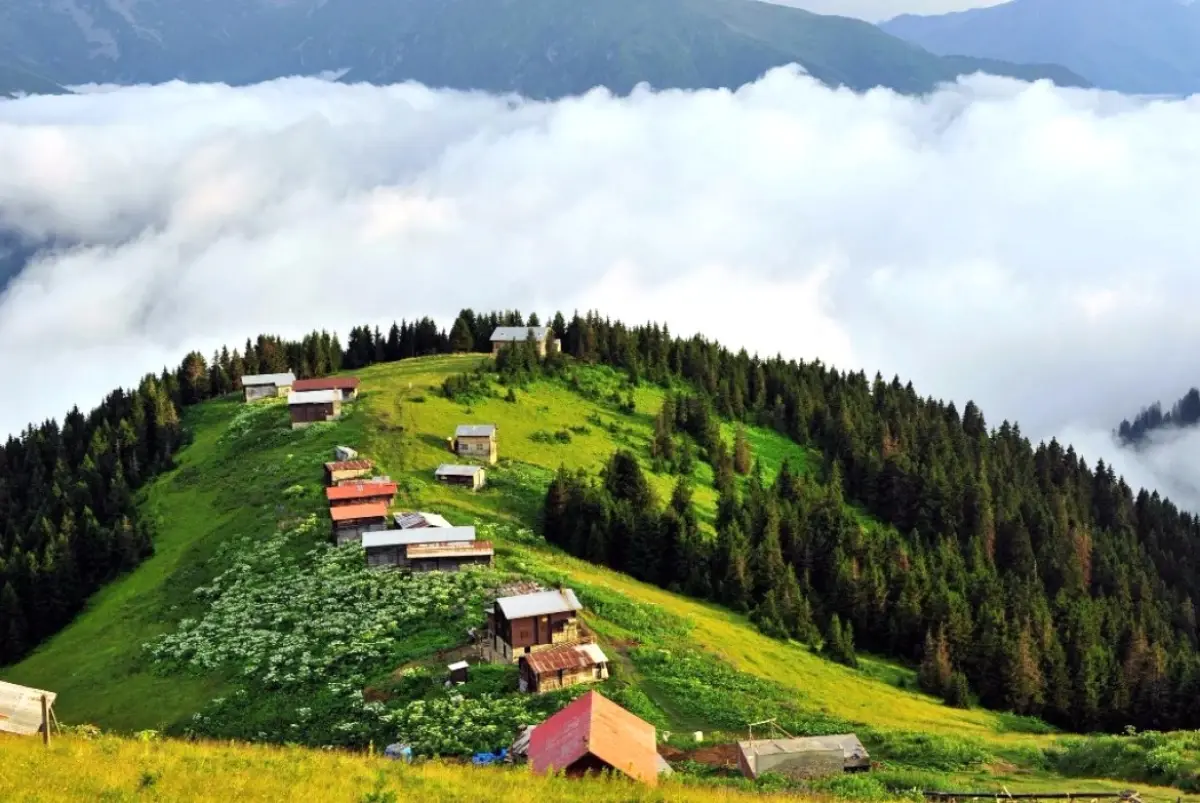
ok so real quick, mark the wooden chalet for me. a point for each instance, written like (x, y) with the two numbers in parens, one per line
(353, 522)
(340, 470)
(560, 667)
(357, 493)
(426, 549)
(542, 336)
(313, 406)
(472, 477)
(267, 386)
(594, 734)
(347, 386)
(475, 442)
(531, 623)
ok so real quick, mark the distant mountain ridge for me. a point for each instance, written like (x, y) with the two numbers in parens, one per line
(539, 48)
(1184, 413)
(1143, 47)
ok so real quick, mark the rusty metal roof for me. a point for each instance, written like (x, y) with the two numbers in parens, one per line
(349, 465)
(360, 490)
(574, 656)
(594, 725)
(449, 550)
(327, 383)
(370, 510)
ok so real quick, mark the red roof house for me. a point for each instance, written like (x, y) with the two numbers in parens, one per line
(360, 492)
(348, 513)
(594, 733)
(348, 385)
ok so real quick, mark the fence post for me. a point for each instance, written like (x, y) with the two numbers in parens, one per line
(45, 720)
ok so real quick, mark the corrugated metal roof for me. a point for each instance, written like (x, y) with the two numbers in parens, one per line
(474, 430)
(370, 510)
(469, 549)
(597, 726)
(417, 520)
(511, 334)
(848, 743)
(268, 379)
(542, 603)
(21, 708)
(349, 465)
(360, 490)
(327, 383)
(574, 656)
(420, 535)
(314, 397)
(450, 470)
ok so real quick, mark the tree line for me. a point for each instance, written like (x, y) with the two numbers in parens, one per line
(1184, 413)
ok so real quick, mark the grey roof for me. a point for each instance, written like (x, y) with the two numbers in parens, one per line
(314, 396)
(417, 519)
(518, 334)
(448, 470)
(541, 603)
(474, 430)
(421, 535)
(848, 743)
(269, 379)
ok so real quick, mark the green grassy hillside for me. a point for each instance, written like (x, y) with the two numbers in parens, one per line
(286, 634)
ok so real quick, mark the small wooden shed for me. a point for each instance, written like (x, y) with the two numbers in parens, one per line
(313, 406)
(801, 758)
(339, 470)
(593, 734)
(561, 667)
(472, 477)
(459, 671)
(476, 442)
(267, 386)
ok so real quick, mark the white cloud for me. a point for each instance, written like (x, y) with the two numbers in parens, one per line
(879, 10)
(1025, 246)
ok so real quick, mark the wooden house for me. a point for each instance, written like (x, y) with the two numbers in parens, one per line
(347, 386)
(543, 338)
(341, 470)
(808, 757)
(472, 477)
(426, 548)
(475, 442)
(353, 522)
(560, 667)
(594, 734)
(533, 622)
(267, 386)
(309, 407)
(357, 493)
(416, 520)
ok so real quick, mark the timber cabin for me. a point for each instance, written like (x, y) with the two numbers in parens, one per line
(341, 470)
(313, 406)
(560, 667)
(533, 622)
(426, 549)
(475, 442)
(472, 477)
(542, 336)
(353, 522)
(267, 386)
(357, 493)
(345, 385)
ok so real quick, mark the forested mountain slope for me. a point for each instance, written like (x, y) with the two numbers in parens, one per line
(539, 48)
(1184, 413)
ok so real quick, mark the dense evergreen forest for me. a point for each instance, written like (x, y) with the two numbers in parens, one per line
(1014, 571)
(1184, 413)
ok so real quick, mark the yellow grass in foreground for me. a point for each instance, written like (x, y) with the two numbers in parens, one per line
(114, 770)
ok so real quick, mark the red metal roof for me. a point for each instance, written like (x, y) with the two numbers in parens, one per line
(371, 510)
(349, 465)
(327, 383)
(594, 725)
(552, 660)
(360, 490)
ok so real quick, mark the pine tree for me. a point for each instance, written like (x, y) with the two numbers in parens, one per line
(461, 337)
(741, 452)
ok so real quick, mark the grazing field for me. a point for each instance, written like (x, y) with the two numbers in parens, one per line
(244, 508)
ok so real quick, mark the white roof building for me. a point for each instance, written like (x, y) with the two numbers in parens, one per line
(278, 380)
(519, 334)
(419, 535)
(541, 603)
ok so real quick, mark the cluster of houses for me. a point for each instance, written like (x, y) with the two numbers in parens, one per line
(309, 400)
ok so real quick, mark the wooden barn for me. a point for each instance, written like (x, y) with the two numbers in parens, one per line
(345, 385)
(560, 667)
(594, 734)
(357, 493)
(267, 386)
(341, 470)
(310, 407)
(352, 522)
(426, 548)
(807, 757)
(475, 442)
(533, 622)
(543, 338)
(473, 477)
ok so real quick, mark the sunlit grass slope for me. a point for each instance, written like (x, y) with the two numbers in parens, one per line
(118, 770)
